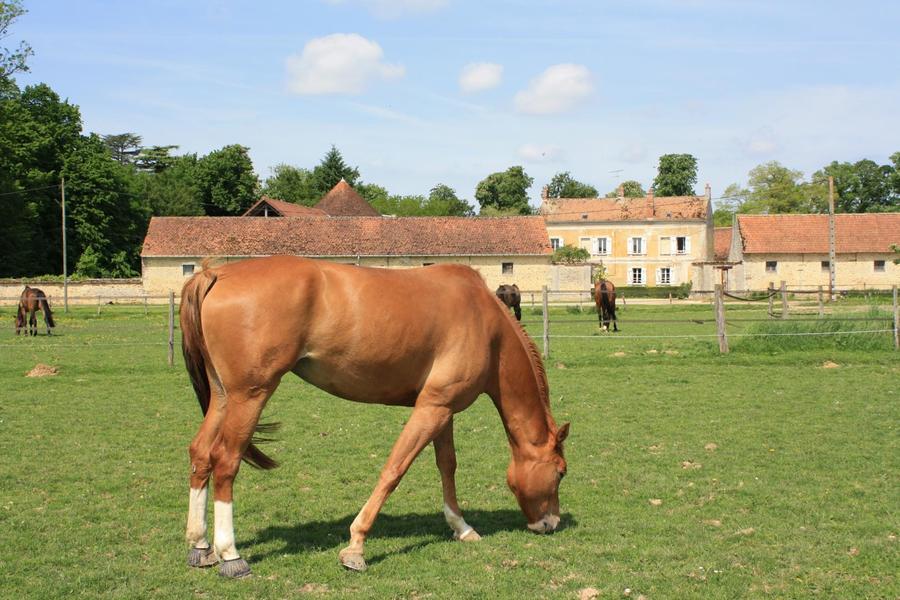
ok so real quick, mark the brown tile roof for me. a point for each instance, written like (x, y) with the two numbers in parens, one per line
(346, 236)
(722, 243)
(280, 208)
(344, 201)
(808, 234)
(594, 210)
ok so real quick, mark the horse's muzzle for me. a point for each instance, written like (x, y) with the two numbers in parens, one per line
(547, 524)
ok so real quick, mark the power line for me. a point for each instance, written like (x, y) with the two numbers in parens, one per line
(34, 189)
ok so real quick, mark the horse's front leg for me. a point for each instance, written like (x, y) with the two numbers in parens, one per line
(423, 426)
(445, 454)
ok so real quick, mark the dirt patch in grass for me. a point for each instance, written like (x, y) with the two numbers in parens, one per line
(42, 370)
(830, 365)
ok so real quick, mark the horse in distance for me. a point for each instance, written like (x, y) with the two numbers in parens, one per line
(511, 297)
(605, 299)
(429, 338)
(31, 301)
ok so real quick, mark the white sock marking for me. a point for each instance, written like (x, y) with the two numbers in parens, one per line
(457, 523)
(196, 525)
(224, 539)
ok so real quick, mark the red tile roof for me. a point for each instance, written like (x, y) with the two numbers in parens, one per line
(346, 236)
(280, 208)
(722, 242)
(601, 210)
(808, 234)
(344, 201)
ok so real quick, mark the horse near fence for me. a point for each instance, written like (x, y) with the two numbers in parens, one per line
(430, 338)
(605, 298)
(31, 301)
(511, 297)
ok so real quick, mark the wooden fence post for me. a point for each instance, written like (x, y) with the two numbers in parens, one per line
(896, 321)
(821, 302)
(146, 310)
(784, 304)
(171, 329)
(771, 293)
(98, 305)
(546, 312)
(720, 319)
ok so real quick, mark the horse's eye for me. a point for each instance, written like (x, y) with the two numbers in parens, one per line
(561, 475)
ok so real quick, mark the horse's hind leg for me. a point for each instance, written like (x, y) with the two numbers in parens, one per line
(32, 324)
(445, 454)
(425, 423)
(201, 554)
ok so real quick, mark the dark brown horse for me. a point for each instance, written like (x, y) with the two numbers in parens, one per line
(31, 301)
(605, 298)
(430, 338)
(510, 296)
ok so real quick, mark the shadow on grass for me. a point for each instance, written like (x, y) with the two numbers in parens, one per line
(316, 535)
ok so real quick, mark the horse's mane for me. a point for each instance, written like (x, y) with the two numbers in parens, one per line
(534, 356)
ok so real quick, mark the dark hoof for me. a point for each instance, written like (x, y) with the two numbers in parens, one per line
(353, 561)
(234, 569)
(202, 557)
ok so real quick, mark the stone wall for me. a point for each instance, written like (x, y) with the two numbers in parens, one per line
(120, 291)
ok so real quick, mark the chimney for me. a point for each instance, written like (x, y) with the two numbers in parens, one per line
(620, 191)
(545, 193)
(708, 192)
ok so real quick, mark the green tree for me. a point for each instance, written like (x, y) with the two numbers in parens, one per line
(676, 175)
(864, 186)
(630, 189)
(107, 221)
(155, 159)
(570, 255)
(729, 204)
(173, 191)
(124, 147)
(443, 201)
(564, 186)
(292, 184)
(14, 60)
(330, 171)
(505, 192)
(225, 180)
(375, 195)
(776, 189)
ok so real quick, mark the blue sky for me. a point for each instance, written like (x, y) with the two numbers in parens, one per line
(421, 92)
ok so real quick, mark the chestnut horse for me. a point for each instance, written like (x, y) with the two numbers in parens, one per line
(510, 296)
(605, 298)
(430, 338)
(31, 301)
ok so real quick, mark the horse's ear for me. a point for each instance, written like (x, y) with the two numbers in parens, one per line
(562, 433)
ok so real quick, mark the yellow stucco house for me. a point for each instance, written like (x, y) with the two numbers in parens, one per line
(794, 248)
(651, 241)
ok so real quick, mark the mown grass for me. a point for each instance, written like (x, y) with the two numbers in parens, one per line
(770, 475)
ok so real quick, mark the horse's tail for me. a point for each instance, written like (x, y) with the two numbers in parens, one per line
(48, 314)
(196, 357)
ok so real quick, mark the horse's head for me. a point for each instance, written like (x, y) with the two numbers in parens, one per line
(20, 318)
(534, 479)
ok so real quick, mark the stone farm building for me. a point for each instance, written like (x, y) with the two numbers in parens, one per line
(641, 241)
(794, 248)
(502, 249)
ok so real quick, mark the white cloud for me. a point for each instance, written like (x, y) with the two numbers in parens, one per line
(477, 77)
(558, 89)
(341, 63)
(392, 9)
(537, 153)
(633, 153)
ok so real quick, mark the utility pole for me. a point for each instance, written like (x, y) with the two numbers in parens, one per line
(831, 251)
(65, 265)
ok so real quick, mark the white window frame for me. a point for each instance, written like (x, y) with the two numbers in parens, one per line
(607, 242)
(659, 276)
(556, 243)
(687, 245)
(879, 268)
(774, 268)
(643, 243)
(586, 243)
(188, 273)
(665, 245)
(511, 271)
(643, 276)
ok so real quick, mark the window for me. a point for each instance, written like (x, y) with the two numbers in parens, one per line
(507, 268)
(665, 246)
(556, 243)
(674, 245)
(635, 245)
(187, 269)
(682, 245)
(879, 266)
(771, 266)
(601, 246)
(427, 264)
(636, 276)
(664, 276)
(826, 265)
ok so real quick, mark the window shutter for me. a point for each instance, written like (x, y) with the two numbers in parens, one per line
(687, 245)
(665, 245)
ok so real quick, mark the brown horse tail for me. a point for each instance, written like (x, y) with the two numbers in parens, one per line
(48, 315)
(196, 356)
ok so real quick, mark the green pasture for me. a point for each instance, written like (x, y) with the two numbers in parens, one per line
(772, 471)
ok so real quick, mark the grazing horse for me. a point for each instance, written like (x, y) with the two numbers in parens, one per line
(510, 296)
(430, 338)
(31, 301)
(605, 298)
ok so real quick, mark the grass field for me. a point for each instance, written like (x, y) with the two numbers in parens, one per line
(691, 474)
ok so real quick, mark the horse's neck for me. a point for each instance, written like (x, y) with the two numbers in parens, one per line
(522, 394)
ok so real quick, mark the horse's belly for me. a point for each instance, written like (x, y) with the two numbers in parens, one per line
(361, 384)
